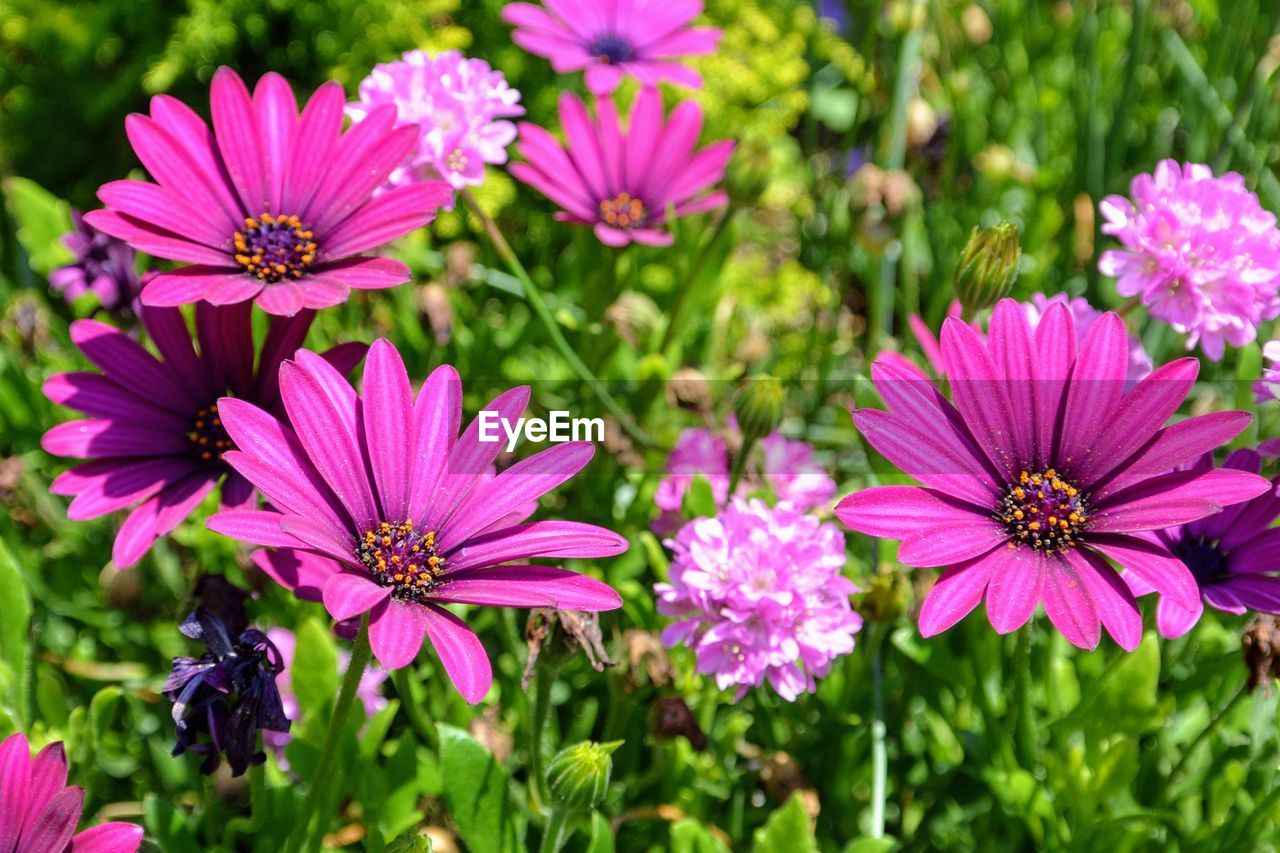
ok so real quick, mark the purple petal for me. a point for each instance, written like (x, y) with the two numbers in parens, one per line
(15, 774)
(460, 651)
(1173, 621)
(387, 409)
(255, 526)
(1166, 574)
(981, 395)
(347, 595)
(437, 415)
(390, 215)
(396, 632)
(1055, 354)
(897, 512)
(1069, 605)
(100, 397)
(1013, 356)
(1111, 597)
(236, 127)
(946, 545)
(562, 539)
(111, 837)
(320, 536)
(924, 451)
(528, 586)
(277, 114)
(318, 130)
(1174, 446)
(1017, 576)
(129, 365)
(191, 284)
(88, 439)
(1175, 498)
(1095, 389)
(957, 591)
(300, 571)
(365, 273)
(53, 827)
(1259, 554)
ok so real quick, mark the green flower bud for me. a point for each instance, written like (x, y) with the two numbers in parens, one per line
(579, 775)
(758, 405)
(988, 266)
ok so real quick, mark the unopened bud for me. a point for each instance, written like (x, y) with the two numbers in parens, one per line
(579, 775)
(988, 266)
(758, 405)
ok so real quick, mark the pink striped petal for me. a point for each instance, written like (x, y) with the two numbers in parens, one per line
(954, 595)
(236, 127)
(15, 776)
(51, 829)
(1069, 605)
(348, 595)
(1017, 577)
(255, 526)
(386, 414)
(387, 217)
(1166, 574)
(276, 112)
(111, 837)
(437, 416)
(301, 572)
(365, 273)
(528, 586)
(396, 632)
(897, 512)
(460, 652)
(564, 539)
(1112, 598)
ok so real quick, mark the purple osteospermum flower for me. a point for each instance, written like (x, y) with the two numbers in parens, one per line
(103, 265)
(270, 206)
(760, 595)
(39, 812)
(622, 183)
(456, 105)
(614, 38)
(228, 694)
(1268, 386)
(405, 510)
(153, 436)
(1201, 252)
(369, 690)
(1042, 470)
(1234, 556)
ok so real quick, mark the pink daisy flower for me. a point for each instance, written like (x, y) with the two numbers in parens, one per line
(620, 183)
(614, 38)
(403, 511)
(458, 106)
(1200, 251)
(39, 812)
(1043, 470)
(1234, 556)
(154, 437)
(269, 206)
(760, 596)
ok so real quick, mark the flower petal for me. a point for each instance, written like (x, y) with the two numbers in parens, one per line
(528, 586)
(957, 591)
(460, 651)
(1017, 576)
(1069, 605)
(897, 512)
(538, 539)
(1163, 572)
(347, 595)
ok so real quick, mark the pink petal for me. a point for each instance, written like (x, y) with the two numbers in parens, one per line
(1175, 498)
(896, 512)
(1173, 621)
(1017, 575)
(15, 776)
(1111, 597)
(396, 632)
(255, 526)
(957, 591)
(1069, 605)
(301, 572)
(562, 539)
(51, 829)
(386, 412)
(437, 415)
(236, 128)
(277, 115)
(528, 586)
(365, 273)
(1151, 562)
(108, 838)
(347, 595)
(460, 651)
(1096, 387)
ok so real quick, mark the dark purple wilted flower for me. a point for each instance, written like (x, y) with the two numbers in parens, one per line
(39, 812)
(271, 205)
(154, 437)
(404, 512)
(222, 699)
(1043, 470)
(104, 266)
(1234, 555)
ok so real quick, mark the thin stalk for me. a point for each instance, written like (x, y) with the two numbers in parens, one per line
(1025, 732)
(324, 771)
(1208, 730)
(677, 307)
(534, 297)
(559, 828)
(879, 753)
(257, 796)
(543, 680)
(1134, 60)
(417, 719)
(740, 463)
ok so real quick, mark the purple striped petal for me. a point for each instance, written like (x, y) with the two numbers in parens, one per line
(276, 112)
(365, 273)
(460, 652)
(125, 362)
(319, 128)
(1259, 554)
(387, 413)
(255, 526)
(1172, 447)
(160, 208)
(236, 128)
(954, 595)
(191, 284)
(1111, 598)
(897, 512)
(982, 397)
(390, 215)
(947, 545)
(927, 453)
(88, 439)
(301, 572)
(562, 539)
(1166, 574)
(396, 632)
(1013, 357)
(321, 537)
(111, 837)
(1017, 577)
(53, 827)
(1173, 621)
(15, 776)
(437, 416)
(347, 595)
(1055, 345)
(1175, 498)
(99, 397)
(471, 457)
(528, 586)
(1069, 605)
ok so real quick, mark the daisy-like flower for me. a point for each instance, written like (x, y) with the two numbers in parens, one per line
(1268, 386)
(103, 266)
(271, 205)
(458, 107)
(1201, 252)
(614, 38)
(1043, 470)
(1234, 556)
(154, 435)
(760, 596)
(39, 812)
(404, 511)
(620, 183)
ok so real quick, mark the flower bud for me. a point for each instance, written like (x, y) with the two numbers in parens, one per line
(988, 266)
(579, 775)
(758, 405)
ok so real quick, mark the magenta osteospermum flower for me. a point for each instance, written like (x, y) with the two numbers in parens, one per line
(1043, 470)
(153, 436)
(1234, 556)
(458, 107)
(622, 183)
(404, 510)
(614, 38)
(1200, 251)
(270, 206)
(760, 595)
(39, 812)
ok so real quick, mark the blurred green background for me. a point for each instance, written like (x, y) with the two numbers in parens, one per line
(872, 139)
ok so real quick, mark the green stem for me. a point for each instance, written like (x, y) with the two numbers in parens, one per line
(1207, 731)
(682, 292)
(324, 772)
(257, 796)
(559, 828)
(1025, 732)
(534, 297)
(879, 754)
(543, 680)
(740, 463)
(417, 719)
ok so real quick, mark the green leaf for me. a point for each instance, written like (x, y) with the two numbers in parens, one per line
(167, 825)
(476, 792)
(871, 845)
(13, 634)
(690, 836)
(42, 219)
(699, 501)
(787, 829)
(315, 670)
(601, 835)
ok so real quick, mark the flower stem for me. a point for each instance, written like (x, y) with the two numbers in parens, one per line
(538, 725)
(534, 297)
(682, 294)
(879, 755)
(559, 828)
(413, 709)
(740, 464)
(1207, 731)
(1025, 732)
(323, 775)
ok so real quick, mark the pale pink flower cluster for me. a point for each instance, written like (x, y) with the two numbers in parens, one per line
(459, 106)
(1268, 387)
(1199, 250)
(759, 596)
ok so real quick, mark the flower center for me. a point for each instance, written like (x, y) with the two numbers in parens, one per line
(1206, 562)
(623, 211)
(403, 558)
(611, 49)
(1044, 511)
(208, 436)
(273, 248)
